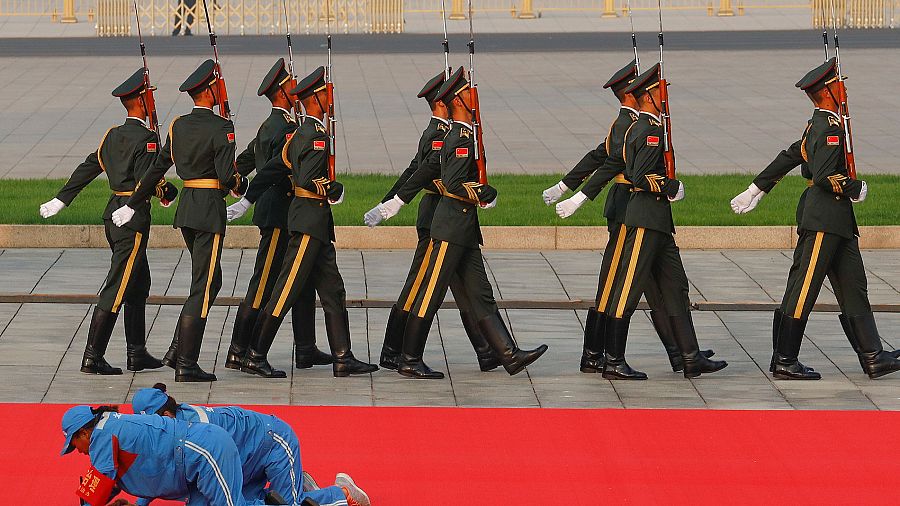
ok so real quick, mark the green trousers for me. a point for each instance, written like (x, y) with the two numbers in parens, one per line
(128, 279)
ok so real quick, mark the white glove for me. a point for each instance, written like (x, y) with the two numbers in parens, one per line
(490, 204)
(568, 207)
(373, 217)
(49, 209)
(679, 195)
(338, 201)
(122, 215)
(862, 193)
(747, 200)
(238, 209)
(390, 208)
(555, 192)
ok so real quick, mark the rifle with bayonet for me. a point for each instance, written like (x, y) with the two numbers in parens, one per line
(475, 106)
(330, 121)
(221, 90)
(842, 98)
(290, 47)
(668, 150)
(448, 70)
(149, 100)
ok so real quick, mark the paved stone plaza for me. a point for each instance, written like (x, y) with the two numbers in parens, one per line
(41, 344)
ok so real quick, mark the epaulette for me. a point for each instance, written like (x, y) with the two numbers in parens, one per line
(655, 123)
(634, 117)
(442, 127)
(320, 128)
(832, 121)
(465, 132)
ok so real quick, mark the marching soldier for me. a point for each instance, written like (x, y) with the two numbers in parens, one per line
(125, 154)
(201, 145)
(310, 258)
(270, 215)
(828, 244)
(649, 250)
(422, 173)
(455, 247)
(606, 164)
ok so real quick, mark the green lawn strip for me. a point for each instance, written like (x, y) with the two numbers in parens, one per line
(519, 202)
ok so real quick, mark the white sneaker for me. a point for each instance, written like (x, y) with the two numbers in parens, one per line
(356, 496)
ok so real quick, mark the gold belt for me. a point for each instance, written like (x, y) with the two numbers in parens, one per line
(304, 193)
(123, 194)
(620, 178)
(461, 199)
(204, 184)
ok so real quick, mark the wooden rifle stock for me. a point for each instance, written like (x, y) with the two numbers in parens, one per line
(222, 94)
(479, 137)
(329, 92)
(668, 150)
(848, 132)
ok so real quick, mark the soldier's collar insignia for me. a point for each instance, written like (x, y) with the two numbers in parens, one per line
(320, 128)
(288, 118)
(833, 121)
(464, 132)
(442, 127)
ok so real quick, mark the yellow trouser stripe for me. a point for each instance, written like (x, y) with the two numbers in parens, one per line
(293, 275)
(433, 281)
(423, 267)
(629, 276)
(127, 274)
(267, 266)
(213, 259)
(810, 270)
(613, 267)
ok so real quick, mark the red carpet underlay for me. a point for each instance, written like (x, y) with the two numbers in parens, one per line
(457, 456)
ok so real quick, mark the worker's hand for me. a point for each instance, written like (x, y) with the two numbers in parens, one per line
(489, 205)
(337, 200)
(122, 215)
(373, 217)
(863, 192)
(390, 208)
(679, 194)
(747, 200)
(238, 209)
(52, 207)
(568, 207)
(554, 193)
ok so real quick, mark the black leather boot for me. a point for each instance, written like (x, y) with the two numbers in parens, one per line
(790, 337)
(486, 359)
(663, 329)
(244, 322)
(875, 361)
(854, 342)
(592, 351)
(337, 326)
(135, 322)
(776, 329)
(614, 364)
(694, 362)
(171, 356)
(99, 332)
(255, 361)
(190, 337)
(513, 359)
(393, 338)
(414, 338)
(303, 322)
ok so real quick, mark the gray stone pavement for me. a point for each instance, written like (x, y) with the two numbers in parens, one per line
(731, 111)
(41, 344)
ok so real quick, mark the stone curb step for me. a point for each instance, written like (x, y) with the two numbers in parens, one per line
(504, 238)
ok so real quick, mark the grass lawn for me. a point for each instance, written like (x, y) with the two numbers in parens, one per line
(519, 202)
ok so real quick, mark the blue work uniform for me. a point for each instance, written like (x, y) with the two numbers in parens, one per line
(152, 456)
(269, 452)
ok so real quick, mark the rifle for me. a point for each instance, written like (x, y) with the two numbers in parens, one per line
(476, 107)
(637, 59)
(668, 151)
(842, 100)
(329, 95)
(221, 91)
(287, 25)
(446, 43)
(149, 101)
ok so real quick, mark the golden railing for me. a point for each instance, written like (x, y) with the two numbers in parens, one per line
(853, 13)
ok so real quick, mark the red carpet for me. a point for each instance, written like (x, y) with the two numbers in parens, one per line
(455, 456)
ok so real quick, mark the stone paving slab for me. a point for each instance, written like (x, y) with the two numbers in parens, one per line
(41, 344)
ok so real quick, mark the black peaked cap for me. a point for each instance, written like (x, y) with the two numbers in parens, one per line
(452, 86)
(818, 77)
(276, 75)
(623, 77)
(200, 77)
(131, 86)
(644, 82)
(310, 84)
(430, 90)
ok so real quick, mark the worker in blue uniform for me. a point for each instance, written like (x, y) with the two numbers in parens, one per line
(268, 447)
(153, 456)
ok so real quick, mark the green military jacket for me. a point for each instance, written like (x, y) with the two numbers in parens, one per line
(456, 216)
(645, 168)
(201, 146)
(421, 174)
(271, 206)
(125, 154)
(825, 206)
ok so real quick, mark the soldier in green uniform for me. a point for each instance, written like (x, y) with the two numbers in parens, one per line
(270, 215)
(310, 258)
(828, 244)
(602, 165)
(125, 154)
(649, 250)
(455, 247)
(423, 171)
(201, 145)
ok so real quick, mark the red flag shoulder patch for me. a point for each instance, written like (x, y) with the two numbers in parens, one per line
(833, 140)
(230, 137)
(319, 145)
(462, 152)
(437, 145)
(652, 140)
(151, 147)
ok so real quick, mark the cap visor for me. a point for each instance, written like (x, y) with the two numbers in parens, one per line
(67, 447)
